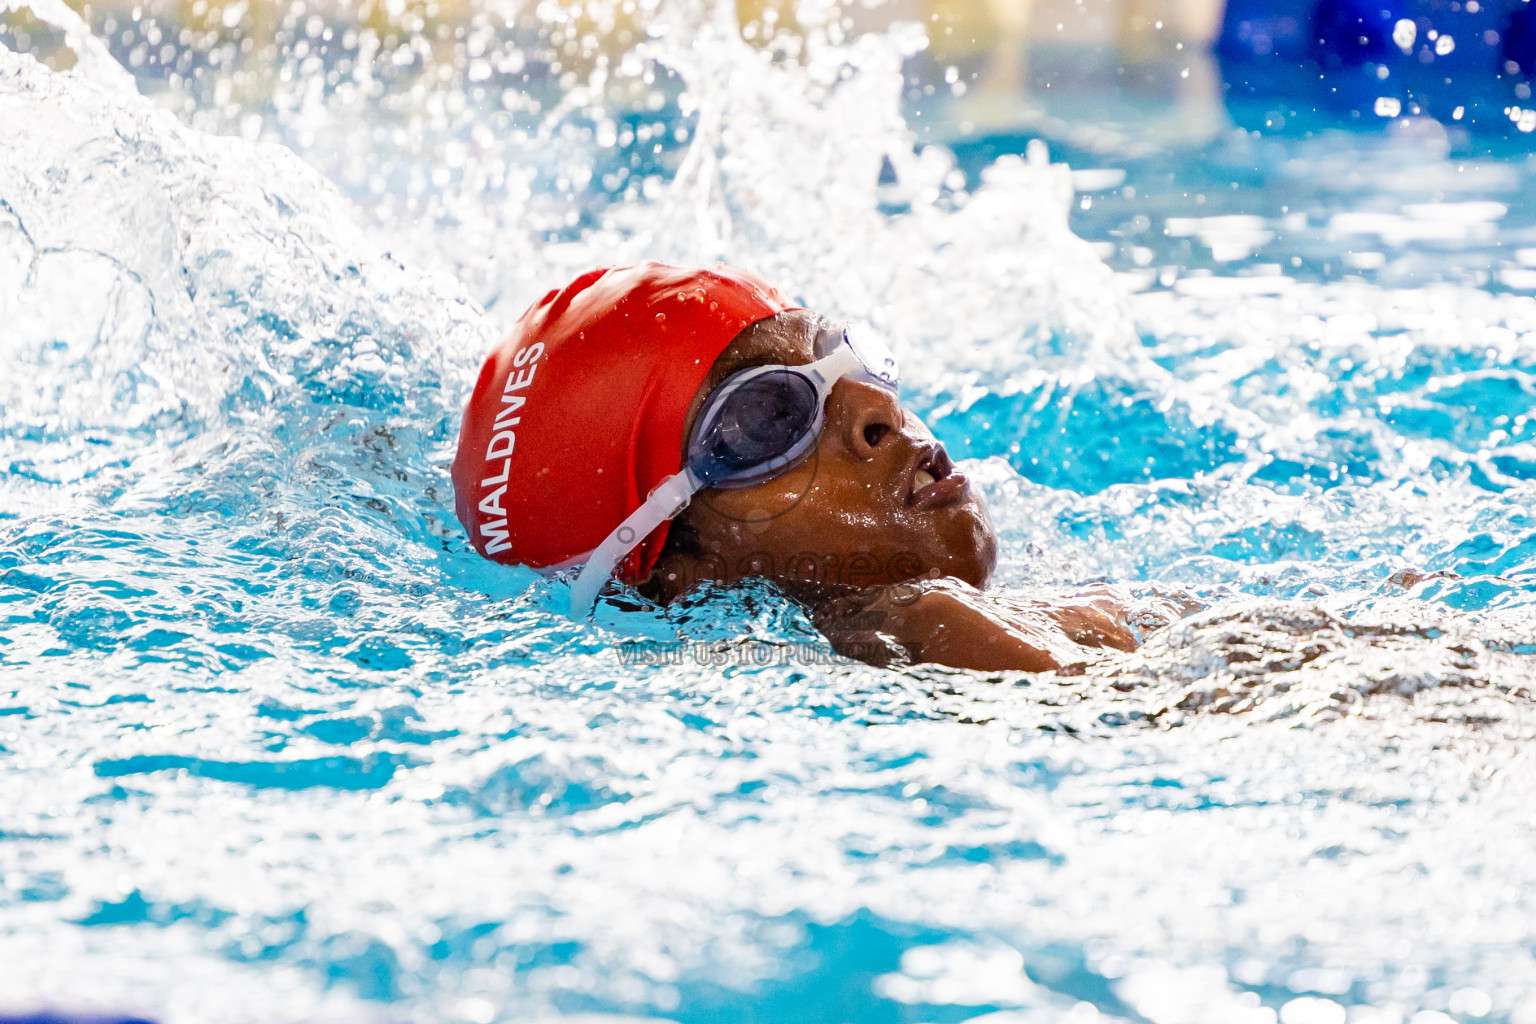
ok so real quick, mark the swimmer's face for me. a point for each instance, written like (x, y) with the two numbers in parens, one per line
(878, 502)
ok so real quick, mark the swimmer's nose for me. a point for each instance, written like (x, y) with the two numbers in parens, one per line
(866, 416)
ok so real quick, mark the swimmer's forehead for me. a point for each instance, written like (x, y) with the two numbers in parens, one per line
(788, 338)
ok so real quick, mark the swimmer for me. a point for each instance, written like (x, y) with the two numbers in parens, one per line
(669, 426)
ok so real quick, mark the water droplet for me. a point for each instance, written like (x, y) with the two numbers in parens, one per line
(660, 317)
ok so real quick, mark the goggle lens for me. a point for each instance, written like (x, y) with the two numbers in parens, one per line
(767, 416)
(761, 423)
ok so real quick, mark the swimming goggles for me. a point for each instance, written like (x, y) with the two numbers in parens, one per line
(758, 423)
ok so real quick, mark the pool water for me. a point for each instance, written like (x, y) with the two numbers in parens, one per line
(276, 745)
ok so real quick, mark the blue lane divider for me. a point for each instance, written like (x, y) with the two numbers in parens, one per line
(1467, 62)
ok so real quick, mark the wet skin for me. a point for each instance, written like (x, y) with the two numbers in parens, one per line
(876, 533)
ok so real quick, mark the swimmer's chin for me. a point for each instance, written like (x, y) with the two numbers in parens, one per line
(977, 561)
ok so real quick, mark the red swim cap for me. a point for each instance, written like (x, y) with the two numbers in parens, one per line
(579, 413)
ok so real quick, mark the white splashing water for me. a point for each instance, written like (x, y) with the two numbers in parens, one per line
(275, 746)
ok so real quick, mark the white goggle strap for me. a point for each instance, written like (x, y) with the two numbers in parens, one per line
(669, 498)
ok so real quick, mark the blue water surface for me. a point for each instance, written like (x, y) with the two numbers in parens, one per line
(276, 744)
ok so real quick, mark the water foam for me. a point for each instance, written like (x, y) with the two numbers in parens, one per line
(279, 746)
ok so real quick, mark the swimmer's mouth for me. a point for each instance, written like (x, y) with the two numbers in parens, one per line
(932, 481)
